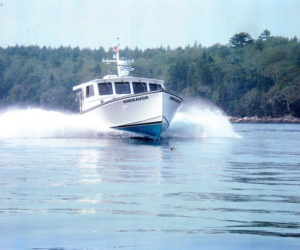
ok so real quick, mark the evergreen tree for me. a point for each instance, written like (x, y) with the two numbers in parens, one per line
(264, 35)
(240, 40)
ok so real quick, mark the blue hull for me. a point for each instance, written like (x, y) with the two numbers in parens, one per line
(150, 129)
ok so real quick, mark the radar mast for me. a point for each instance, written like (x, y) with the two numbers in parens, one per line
(123, 65)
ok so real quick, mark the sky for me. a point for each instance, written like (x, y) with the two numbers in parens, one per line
(142, 23)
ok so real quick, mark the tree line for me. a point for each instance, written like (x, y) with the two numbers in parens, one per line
(246, 77)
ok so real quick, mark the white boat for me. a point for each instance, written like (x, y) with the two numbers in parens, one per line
(134, 104)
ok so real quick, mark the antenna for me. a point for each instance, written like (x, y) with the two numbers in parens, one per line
(123, 65)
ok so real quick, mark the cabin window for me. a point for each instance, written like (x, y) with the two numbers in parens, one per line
(154, 86)
(122, 88)
(139, 87)
(90, 91)
(105, 88)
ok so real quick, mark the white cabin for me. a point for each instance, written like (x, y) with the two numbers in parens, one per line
(99, 91)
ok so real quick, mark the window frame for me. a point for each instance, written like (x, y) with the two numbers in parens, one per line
(125, 84)
(158, 86)
(88, 92)
(106, 83)
(141, 83)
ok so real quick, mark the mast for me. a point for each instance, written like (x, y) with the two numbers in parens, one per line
(123, 65)
(116, 50)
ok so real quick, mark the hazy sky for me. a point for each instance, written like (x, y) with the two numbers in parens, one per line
(142, 23)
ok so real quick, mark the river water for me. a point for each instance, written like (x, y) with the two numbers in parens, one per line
(205, 185)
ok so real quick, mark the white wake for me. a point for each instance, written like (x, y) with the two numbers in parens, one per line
(193, 121)
(40, 123)
(200, 121)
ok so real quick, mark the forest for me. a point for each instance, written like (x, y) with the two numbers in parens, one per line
(246, 77)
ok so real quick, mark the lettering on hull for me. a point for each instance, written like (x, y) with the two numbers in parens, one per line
(136, 99)
(174, 99)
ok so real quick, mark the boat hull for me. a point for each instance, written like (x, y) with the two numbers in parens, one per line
(153, 129)
(148, 113)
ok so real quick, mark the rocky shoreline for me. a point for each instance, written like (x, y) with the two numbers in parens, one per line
(256, 119)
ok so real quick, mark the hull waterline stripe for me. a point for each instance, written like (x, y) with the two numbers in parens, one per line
(148, 129)
(136, 125)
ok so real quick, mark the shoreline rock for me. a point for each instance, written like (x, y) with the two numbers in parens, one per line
(256, 119)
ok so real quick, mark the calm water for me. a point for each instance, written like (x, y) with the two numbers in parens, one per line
(206, 193)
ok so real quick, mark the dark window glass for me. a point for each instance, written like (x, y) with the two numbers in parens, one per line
(122, 87)
(90, 91)
(105, 88)
(139, 87)
(154, 86)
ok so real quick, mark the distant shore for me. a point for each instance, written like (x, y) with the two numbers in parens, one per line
(256, 119)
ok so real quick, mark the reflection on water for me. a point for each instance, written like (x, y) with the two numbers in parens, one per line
(113, 192)
(116, 161)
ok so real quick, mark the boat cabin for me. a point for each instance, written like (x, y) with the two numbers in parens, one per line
(99, 91)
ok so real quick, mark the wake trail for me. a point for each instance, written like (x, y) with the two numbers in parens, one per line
(192, 121)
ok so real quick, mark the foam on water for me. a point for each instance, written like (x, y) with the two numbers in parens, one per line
(198, 121)
(39, 123)
(193, 121)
